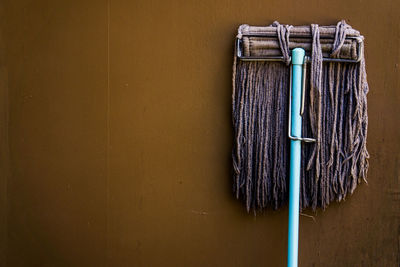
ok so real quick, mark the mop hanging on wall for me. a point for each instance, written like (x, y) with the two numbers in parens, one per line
(330, 126)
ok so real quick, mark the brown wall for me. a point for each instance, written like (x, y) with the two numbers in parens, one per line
(116, 134)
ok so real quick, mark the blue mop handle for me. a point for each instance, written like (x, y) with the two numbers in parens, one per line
(295, 156)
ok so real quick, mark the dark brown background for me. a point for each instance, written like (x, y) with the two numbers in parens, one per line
(115, 137)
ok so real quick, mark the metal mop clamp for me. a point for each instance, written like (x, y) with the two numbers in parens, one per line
(256, 37)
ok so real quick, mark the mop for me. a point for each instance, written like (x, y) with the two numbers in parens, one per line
(299, 109)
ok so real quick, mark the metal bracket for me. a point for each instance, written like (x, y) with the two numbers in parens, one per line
(239, 55)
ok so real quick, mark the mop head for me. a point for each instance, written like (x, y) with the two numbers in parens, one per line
(335, 114)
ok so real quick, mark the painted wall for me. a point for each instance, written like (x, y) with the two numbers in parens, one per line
(116, 136)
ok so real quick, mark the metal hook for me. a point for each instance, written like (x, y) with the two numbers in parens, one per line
(303, 139)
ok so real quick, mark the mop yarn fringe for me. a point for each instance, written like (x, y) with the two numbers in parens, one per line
(335, 114)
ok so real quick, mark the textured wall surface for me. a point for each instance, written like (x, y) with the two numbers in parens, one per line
(116, 136)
